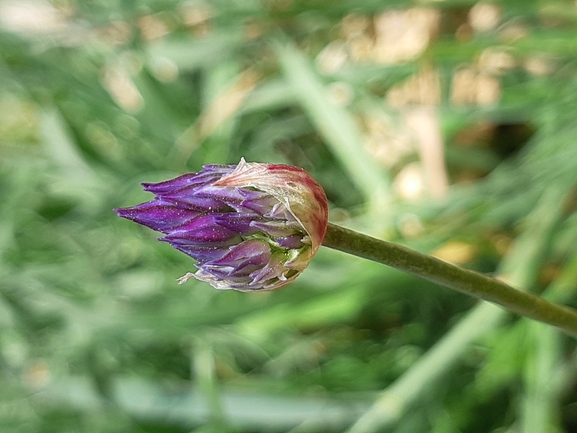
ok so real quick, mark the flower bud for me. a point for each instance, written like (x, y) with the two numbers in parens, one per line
(249, 226)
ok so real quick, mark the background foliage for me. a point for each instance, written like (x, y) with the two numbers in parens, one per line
(448, 126)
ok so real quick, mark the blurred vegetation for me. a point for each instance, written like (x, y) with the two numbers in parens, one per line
(447, 126)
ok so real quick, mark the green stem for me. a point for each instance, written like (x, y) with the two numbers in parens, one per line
(463, 280)
(521, 264)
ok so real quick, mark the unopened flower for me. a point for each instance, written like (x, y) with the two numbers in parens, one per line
(249, 226)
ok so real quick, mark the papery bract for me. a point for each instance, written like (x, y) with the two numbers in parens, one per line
(251, 226)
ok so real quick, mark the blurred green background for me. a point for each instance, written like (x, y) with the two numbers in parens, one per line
(448, 126)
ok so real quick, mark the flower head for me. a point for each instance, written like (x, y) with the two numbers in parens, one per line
(249, 226)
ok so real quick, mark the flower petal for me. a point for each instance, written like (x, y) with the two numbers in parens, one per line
(230, 196)
(258, 201)
(272, 270)
(209, 174)
(203, 229)
(291, 242)
(237, 222)
(189, 197)
(157, 215)
(200, 253)
(252, 252)
(276, 228)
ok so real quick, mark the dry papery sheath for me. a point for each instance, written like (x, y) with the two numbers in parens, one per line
(250, 227)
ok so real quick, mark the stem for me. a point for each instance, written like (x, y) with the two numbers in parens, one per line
(521, 264)
(462, 280)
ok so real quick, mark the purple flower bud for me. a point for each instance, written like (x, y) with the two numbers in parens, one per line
(249, 226)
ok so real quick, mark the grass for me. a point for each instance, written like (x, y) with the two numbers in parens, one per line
(95, 334)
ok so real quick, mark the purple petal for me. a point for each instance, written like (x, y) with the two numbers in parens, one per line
(189, 197)
(201, 253)
(231, 196)
(203, 228)
(276, 228)
(169, 185)
(226, 273)
(273, 269)
(157, 215)
(239, 223)
(209, 174)
(291, 242)
(251, 253)
(258, 201)
(178, 183)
